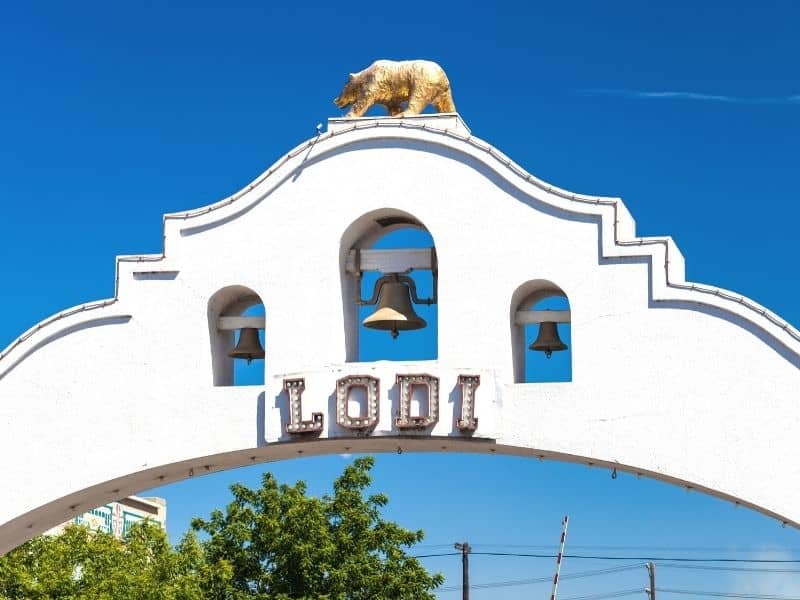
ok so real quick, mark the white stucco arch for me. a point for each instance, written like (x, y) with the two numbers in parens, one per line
(719, 415)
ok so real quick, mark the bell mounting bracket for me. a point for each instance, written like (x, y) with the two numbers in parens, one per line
(412, 286)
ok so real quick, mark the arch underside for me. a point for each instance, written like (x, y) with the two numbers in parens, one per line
(41, 519)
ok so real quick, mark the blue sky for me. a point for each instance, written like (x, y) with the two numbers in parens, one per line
(115, 114)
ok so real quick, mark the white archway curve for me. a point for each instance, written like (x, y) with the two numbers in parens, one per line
(124, 387)
(618, 227)
(24, 526)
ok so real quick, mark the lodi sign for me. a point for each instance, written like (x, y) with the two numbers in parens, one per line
(421, 390)
(719, 415)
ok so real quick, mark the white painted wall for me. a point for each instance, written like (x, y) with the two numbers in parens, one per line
(694, 386)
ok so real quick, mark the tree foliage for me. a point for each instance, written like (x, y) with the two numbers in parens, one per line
(273, 542)
(284, 544)
(84, 564)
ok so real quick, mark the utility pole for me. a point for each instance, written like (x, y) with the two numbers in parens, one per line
(465, 550)
(651, 569)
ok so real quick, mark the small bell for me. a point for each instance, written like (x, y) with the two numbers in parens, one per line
(249, 345)
(548, 341)
(395, 312)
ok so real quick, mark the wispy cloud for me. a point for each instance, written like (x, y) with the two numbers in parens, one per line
(766, 582)
(696, 96)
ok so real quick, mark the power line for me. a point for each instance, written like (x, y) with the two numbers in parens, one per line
(599, 572)
(664, 562)
(637, 558)
(725, 549)
(582, 574)
(617, 594)
(722, 568)
(543, 579)
(495, 584)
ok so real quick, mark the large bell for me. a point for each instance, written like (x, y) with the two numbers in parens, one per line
(249, 346)
(395, 312)
(548, 341)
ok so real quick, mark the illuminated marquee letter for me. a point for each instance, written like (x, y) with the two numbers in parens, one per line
(294, 390)
(406, 385)
(344, 388)
(468, 383)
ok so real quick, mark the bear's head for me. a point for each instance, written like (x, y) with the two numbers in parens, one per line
(349, 93)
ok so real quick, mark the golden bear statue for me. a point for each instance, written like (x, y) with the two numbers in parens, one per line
(404, 87)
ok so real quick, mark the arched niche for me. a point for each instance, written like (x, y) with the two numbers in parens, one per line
(233, 301)
(359, 271)
(528, 304)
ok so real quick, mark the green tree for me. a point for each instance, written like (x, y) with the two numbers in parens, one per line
(274, 542)
(83, 564)
(282, 544)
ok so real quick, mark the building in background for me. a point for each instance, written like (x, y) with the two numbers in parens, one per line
(117, 517)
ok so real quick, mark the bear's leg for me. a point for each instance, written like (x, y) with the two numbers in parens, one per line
(416, 104)
(394, 109)
(360, 106)
(444, 103)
